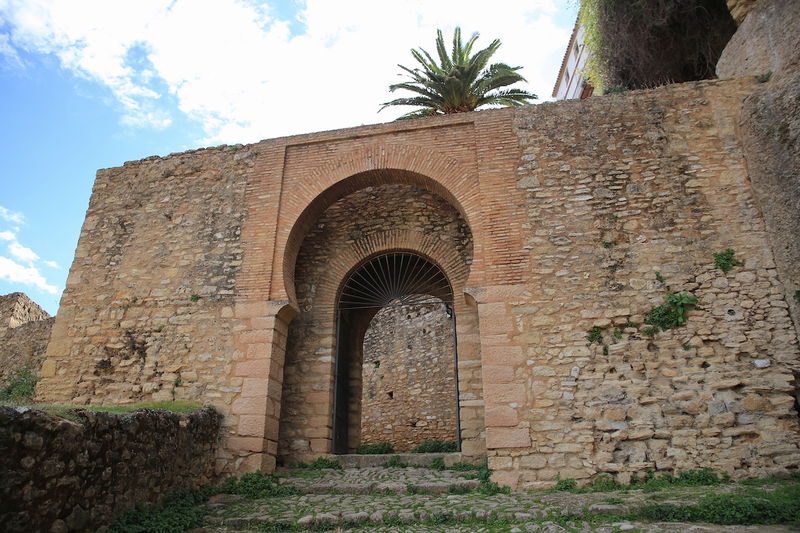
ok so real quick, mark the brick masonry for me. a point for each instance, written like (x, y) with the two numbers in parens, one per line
(191, 280)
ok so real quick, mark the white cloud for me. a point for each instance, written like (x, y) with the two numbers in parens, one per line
(22, 253)
(27, 275)
(238, 70)
(11, 216)
(7, 236)
(8, 54)
(51, 264)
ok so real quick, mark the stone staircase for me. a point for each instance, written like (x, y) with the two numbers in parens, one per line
(367, 497)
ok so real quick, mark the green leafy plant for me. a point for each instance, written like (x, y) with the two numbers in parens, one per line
(437, 463)
(194, 298)
(377, 448)
(725, 260)
(321, 463)
(20, 384)
(435, 446)
(617, 333)
(672, 313)
(595, 335)
(563, 485)
(607, 244)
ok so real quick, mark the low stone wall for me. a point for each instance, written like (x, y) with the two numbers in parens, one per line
(61, 476)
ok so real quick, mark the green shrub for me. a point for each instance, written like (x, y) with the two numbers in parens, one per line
(435, 446)
(256, 485)
(378, 448)
(603, 483)
(565, 484)
(20, 384)
(437, 463)
(725, 260)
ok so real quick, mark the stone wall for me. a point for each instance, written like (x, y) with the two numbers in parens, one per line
(24, 345)
(147, 313)
(60, 475)
(408, 385)
(24, 333)
(17, 309)
(625, 206)
(768, 42)
(193, 270)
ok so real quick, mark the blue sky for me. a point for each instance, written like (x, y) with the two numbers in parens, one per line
(89, 84)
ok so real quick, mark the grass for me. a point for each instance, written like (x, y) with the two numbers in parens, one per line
(257, 485)
(649, 483)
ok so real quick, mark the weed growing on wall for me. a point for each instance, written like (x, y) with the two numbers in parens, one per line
(725, 260)
(595, 335)
(672, 313)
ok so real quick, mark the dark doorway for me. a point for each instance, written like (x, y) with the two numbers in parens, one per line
(402, 283)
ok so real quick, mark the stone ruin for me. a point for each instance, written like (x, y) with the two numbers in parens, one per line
(24, 332)
(230, 276)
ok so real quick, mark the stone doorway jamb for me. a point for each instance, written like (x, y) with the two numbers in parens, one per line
(262, 345)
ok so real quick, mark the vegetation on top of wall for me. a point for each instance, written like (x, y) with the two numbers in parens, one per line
(435, 446)
(638, 44)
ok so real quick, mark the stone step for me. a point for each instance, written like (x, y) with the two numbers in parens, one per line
(415, 459)
(378, 480)
(320, 511)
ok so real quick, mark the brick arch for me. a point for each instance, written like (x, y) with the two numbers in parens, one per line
(340, 266)
(377, 164)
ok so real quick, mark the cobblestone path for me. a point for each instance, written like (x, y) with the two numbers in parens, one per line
(384, 500)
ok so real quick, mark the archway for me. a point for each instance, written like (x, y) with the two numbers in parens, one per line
(376, 218)
(393, 388)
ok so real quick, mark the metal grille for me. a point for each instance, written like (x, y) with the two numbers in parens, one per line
(395, 279)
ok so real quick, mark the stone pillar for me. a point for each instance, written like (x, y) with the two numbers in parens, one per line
(260, 353)
(504, 392)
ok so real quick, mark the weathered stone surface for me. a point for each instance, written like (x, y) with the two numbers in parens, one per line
(24, 333)
(767, 41)
(60, 475)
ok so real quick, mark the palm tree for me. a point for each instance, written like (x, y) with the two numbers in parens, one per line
(459, 82)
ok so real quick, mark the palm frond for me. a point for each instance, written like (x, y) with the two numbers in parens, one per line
(458, 81)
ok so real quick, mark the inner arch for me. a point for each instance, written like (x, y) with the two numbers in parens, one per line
(395, 279)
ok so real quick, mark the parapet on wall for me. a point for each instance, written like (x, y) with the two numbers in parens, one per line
(184, 286)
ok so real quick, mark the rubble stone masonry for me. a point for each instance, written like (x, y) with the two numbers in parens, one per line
(193, 270)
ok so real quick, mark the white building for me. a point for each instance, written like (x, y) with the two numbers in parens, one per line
(571, 82)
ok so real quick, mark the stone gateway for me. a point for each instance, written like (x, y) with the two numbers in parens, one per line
(549, 234)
